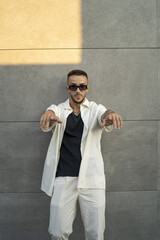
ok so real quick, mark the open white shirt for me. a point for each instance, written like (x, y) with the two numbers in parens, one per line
(91, 174)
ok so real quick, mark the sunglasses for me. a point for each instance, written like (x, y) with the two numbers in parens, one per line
(81, 87)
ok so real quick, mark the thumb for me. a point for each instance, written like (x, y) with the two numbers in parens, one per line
(103, 122)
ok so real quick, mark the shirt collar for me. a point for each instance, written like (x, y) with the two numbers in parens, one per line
(66, 104)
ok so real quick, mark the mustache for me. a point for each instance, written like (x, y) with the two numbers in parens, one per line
(77, 94)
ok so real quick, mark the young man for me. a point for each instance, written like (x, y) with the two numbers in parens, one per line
(74, 169)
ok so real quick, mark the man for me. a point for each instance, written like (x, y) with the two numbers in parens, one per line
(74, 169)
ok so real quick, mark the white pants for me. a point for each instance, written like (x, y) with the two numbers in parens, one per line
(64, 205)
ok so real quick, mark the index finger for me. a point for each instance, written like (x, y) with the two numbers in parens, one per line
(48, 121)
(121, 121)
(42, 122)
(114, 121)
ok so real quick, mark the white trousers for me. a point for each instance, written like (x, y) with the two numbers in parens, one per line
(64, 205)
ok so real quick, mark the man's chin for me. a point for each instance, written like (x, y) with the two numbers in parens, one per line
(78, 101)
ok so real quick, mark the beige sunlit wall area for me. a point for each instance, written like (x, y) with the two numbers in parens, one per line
(31, 31)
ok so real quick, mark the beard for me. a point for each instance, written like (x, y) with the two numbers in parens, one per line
(79, 102)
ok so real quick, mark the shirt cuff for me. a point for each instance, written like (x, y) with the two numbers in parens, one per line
(108, 128)
(50, 128)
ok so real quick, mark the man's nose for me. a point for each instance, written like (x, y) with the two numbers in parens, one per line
(78, 90)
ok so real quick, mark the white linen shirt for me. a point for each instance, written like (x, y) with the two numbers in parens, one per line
(91, 173)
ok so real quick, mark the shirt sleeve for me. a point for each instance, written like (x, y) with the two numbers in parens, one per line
(102, 109)
(53, 108)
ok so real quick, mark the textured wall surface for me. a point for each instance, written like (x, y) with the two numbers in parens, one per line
(117, 43)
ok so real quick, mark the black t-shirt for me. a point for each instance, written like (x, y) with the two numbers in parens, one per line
(70, 154)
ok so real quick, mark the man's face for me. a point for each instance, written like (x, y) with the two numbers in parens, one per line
(77, 96)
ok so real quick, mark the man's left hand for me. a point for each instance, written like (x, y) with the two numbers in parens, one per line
(112, 118)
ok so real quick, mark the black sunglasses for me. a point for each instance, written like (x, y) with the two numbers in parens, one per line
(81, 87)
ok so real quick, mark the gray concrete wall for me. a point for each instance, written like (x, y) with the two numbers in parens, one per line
(120, 52)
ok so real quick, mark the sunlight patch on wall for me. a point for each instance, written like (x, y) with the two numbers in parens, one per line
(67, 56)
(40, 32)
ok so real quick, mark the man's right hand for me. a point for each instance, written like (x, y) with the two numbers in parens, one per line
(47, 118)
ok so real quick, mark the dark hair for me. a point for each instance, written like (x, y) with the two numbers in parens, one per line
(77, 72)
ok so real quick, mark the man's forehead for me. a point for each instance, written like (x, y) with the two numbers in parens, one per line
(77, 79)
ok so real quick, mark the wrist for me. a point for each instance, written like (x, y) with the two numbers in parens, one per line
(108, 112)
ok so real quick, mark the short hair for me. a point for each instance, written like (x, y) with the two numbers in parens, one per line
(78, 73)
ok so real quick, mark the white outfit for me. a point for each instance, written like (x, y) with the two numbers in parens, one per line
(91, 174)
(64, 205)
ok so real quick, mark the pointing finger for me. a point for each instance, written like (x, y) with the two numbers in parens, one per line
(114, 121)
(58, 120)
